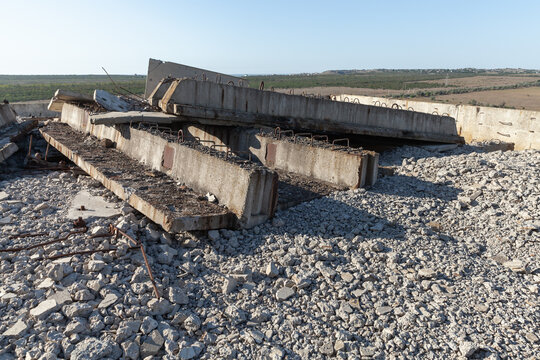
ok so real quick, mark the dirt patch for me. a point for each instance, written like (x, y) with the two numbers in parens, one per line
(524, 98)
(485, 81)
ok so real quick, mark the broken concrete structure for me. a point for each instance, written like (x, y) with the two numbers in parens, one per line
(11, 131)
(65, 96)
(159, 70)
(248, 191)
(220, 104)
(302, 154)
(473, 123)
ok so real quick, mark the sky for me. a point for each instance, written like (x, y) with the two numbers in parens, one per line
(266, 37)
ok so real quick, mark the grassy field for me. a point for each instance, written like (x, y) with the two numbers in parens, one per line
(39, 87)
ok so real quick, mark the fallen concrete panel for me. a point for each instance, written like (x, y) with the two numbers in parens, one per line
(160, 199)
(112, 118)
(112, 102)
(474, 123)
(233, 105)
(7, 149)
(158, 70)
(62, 96)
(249, 191)
(341, 166)
(86, 205)
(7, 116)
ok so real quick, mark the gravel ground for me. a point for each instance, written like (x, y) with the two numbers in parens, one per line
(440, 260)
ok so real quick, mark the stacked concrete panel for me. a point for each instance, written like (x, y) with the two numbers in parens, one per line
(249, 192)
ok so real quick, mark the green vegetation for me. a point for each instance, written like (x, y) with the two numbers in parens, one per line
(392, 80)
(39, 87)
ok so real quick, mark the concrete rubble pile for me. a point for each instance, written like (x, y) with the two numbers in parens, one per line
(429, 251)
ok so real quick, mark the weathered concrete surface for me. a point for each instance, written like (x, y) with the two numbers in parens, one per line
(474, 123)
(38, 108)
(62, 96)
(7, 116)
(250, 193)
(233, 105)
(157, 70)
(160, 200)
(116, 117)
(94, 206)
(353, 170)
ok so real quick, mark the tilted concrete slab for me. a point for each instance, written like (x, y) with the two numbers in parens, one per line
(222, 104)
(352, 168)
(7, 149)
(116, 117)
(249, 191)
(158, 70)
(62, 96)
(160, 199)
(7, 115)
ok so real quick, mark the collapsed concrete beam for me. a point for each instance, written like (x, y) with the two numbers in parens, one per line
(250, 192)
(213, 103)
(165, 203)
(112, 118)
(353, 168)
(112, 102)
(158, 70)
(62, 96)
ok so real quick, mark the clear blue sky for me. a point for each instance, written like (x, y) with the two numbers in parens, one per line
(237, 37)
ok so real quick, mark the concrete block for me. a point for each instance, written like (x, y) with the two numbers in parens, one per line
(112, 118)
(158, 70)
(94, 206)
(7, 115)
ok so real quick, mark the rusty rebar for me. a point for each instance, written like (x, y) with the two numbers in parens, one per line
(26, 235)
(141, 247)
(17, 249)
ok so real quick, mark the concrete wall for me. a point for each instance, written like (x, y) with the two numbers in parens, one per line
(311, 113)
(475, 123)
(351, 170)
(250, 193)
(36, 108)
(7, 116)
(158, 70)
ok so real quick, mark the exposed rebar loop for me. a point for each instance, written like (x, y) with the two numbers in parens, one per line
(138, 243)
(236, 152)
(315, 137)
(340, 140)
(180, 136)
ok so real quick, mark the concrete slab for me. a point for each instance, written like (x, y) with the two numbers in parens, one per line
(62, 96)
(94, 206)
(112, 102)
(247, 190)
(111, 118)
(212, 103)
(158, 70)
(159, 198)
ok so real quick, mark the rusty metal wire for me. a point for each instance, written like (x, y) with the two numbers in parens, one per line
(24, 248)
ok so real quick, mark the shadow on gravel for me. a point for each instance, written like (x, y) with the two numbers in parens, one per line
(420, 153)
(410, 186)
(325, 220)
